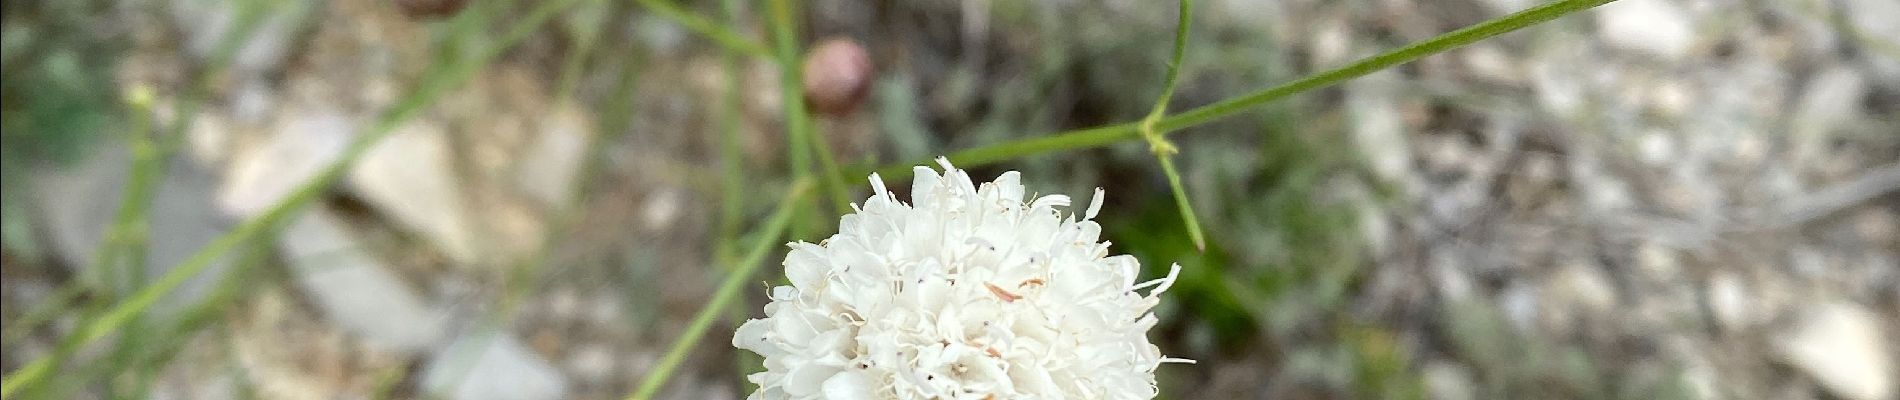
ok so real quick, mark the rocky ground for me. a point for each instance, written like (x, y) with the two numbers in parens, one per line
(1655, 199)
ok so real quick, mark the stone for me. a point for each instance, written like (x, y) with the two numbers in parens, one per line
(1654, 27)
(410, 176)
(1447, 381)
(1730, 302)
(554, 159)
(1584, 286)
(1830, 103)
(1377, 127)
(354, 289)
(1874, 20)
(1842, 346)
(305, 143)
(489, 364)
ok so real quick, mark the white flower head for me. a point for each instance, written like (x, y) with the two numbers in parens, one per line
(966, 293)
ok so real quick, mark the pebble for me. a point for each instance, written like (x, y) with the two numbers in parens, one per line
(1652, 27)
(1842, 346)
(355, 290)
(486, 364)
(411, 177)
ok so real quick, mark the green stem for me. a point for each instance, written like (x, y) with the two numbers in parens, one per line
(135, 305)
(732, 199)
(723, 297)
(1106, 135)
(576, 64)
(40, 313)
(1185, 19)
(732, 203)
(720, 34)
(803, 144)
(794, 102)
(1158, 143)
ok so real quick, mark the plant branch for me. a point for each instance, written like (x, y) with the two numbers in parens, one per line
(1111, 134)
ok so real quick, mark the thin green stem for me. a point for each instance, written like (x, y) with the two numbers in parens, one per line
(834, 175)
(135, 305)
(718, 33)
(1185, 19)
(1381, 61)
(1158, 143)
(732, 203)
(1181, 201)
(40, 313)
(794, 103)
(127, 235)
(723, 297)
(802, 143)
(1111, 134)
(731, 196)
(576, 63)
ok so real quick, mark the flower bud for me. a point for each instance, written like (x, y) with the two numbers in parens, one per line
(838, 75)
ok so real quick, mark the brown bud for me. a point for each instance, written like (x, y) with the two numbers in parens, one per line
(838, 75)
(430, 9)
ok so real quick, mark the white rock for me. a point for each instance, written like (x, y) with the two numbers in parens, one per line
(1654, 27)
(1874, 20)
(662, 208)
(355, 290)
(491, 365)
(1521, 305)
(1831, 101)
(1842, 346)
(303, 145)
(1445, 381)
(593, 363)
(548, 169)
(1730, 302)
(1585, 286)
(1378, 128)
(410, 175)
(1502, 7)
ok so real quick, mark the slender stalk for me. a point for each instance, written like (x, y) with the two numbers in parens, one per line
(1111, 134)
(128, 233)
(1185, 19)
(732, 203)
(576, 63)
(723, 297)
(135, 305)
(794, 103)
(719, 34)
(1158, 143)
(802, 143)
(40, 313)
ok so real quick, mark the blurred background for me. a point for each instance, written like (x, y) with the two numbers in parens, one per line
(1655, 199)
